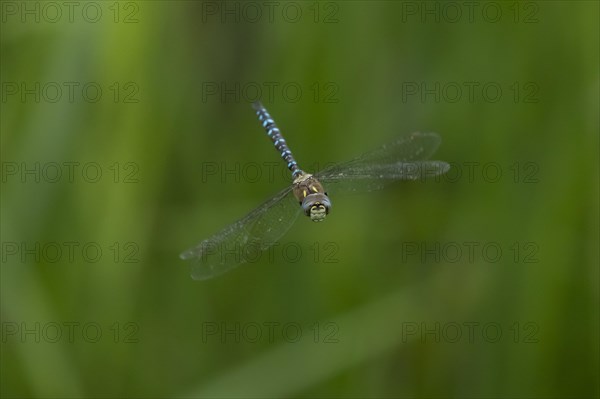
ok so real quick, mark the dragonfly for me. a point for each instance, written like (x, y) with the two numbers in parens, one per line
(405, 158)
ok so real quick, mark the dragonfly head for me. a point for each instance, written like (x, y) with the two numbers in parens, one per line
(316, 206)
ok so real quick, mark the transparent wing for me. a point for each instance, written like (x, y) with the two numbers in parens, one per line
(243, 240)
(403, 159)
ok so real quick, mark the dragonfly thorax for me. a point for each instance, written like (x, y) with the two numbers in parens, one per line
(312, 197)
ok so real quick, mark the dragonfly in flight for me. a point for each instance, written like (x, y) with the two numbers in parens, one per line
(405, 158)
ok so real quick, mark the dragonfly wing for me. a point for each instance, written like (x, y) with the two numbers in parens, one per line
(244, 240)
(403, 159)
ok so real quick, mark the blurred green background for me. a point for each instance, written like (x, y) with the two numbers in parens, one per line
(483, 283)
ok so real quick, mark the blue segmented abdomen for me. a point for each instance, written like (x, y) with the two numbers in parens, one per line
(278, 140)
